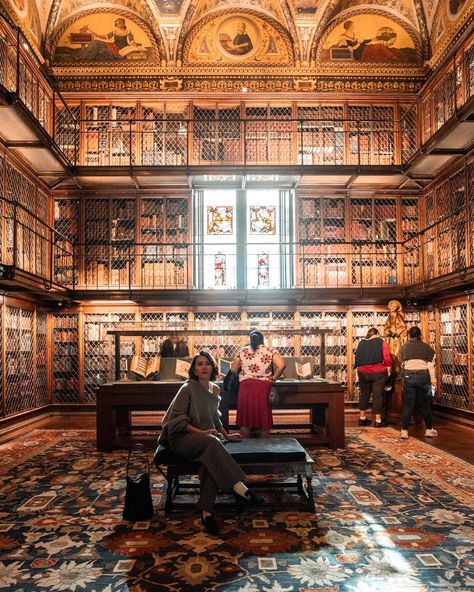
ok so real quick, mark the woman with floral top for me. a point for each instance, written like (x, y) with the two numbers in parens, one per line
(259, 366)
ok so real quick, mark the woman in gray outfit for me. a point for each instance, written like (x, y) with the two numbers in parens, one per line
(190, 429)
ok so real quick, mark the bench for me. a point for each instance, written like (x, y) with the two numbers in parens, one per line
(276, 456)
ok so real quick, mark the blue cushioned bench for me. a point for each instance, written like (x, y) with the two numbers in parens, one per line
(274, 457)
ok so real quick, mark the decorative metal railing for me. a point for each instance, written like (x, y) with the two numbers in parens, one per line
(23, 76)
(440, 101)
(32, 246)
(157, 142)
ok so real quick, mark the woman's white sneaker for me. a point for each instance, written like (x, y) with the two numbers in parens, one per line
(431, 433)
(404, 434)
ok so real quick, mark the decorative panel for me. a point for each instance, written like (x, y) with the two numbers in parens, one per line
(20, 389)
(66, 223)
(40, 360)
(320, 135)
(454, 387)
(409, 228)
(65, 384)
(164, 235)
(97, 245)
(97, 358)
(371, 135)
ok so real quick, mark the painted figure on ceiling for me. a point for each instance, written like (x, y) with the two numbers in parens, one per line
(240, 45)
(370, 41)
(115, 45)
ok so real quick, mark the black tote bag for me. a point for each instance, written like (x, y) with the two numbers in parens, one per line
(138, 501)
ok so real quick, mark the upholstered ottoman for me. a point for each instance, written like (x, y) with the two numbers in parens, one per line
(274, 458)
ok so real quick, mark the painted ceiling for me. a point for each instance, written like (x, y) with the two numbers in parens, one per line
(227, 36)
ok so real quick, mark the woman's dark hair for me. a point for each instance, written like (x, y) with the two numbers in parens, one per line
(256, 339)
(414, 333)
(167, 350)
(192, 368)
(371, 332)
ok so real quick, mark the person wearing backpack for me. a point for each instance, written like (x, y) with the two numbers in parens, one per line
(373, 362)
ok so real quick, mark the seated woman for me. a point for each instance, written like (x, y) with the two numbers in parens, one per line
(190, 429)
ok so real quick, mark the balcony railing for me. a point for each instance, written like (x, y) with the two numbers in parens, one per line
(24, 78)
(150, 142)
(35, 248)
(147, 142)
(441, 100)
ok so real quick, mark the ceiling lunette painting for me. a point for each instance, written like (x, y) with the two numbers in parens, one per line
(306, 39)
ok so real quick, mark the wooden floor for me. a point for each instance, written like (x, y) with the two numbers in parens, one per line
(454, 437)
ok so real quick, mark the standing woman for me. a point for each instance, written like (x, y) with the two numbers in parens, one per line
(419, 377)
(190, 428)
(373, 362)
(259, 366)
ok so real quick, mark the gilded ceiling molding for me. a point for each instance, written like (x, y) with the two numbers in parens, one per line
(157, 47)
(170, 34)
(185, 25)
(254, 84)
(292, 30)
(445, 31)
(52, 18)
(325, 19)
(424, 34)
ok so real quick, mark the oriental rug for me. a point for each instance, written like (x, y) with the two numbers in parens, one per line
(390, 515)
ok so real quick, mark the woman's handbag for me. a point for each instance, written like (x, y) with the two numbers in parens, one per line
(231, 383)
(273, 397)
(138, 501)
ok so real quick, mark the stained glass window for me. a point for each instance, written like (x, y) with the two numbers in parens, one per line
(263, 269)
(220, 219)
(262, 220)
(219, 269)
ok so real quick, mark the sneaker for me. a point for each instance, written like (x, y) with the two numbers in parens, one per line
(365, 422)
(250, 498)
(431, 433)
(381, 424)
(404, 434)
(210, 525)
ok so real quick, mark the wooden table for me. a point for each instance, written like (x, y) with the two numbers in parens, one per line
(116, 401)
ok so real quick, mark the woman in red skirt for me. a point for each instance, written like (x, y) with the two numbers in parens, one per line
(259, 366)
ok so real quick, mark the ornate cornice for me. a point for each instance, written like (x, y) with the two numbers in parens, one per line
(254, 84)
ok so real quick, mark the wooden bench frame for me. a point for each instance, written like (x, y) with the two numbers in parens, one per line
(173, 468)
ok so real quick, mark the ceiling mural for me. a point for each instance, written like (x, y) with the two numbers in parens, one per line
(362, 41)
(169, 6)
(449, 18)
(310, 40)
(102, 37)
(25, 14)
(237, 38)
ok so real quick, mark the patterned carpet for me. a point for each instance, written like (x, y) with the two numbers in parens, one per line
(390, 516)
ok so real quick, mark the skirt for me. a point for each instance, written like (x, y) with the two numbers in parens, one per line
(253, 408)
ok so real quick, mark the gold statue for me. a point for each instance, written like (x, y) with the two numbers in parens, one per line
(395, 331)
